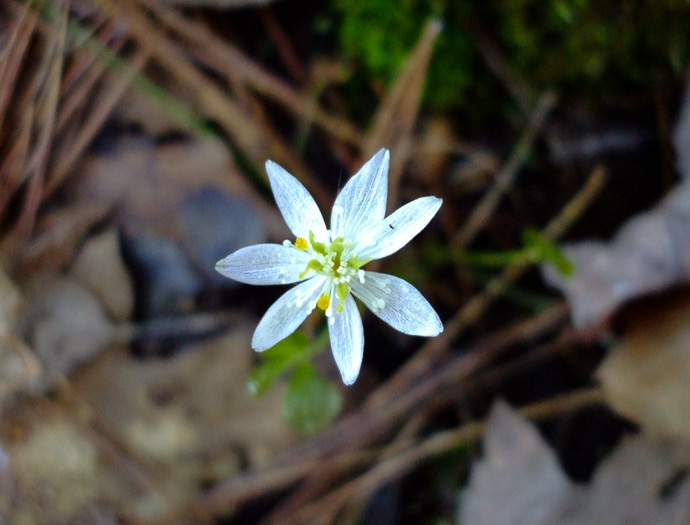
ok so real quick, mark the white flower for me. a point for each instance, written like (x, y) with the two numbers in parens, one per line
(328, 263)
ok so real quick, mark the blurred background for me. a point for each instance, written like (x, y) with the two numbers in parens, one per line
(133, 138)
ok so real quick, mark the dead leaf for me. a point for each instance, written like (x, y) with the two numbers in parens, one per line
(646, 375)
(190, 412)
(101, 257)
(143, 186)
(519, 470)
(519, 482)
(651, 252)
(65, 324)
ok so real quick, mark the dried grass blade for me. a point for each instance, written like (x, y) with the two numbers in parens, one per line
(13, 57)
(231, 62)
(47, 96)
(12, 171)
(66, 159)
(507, 174)
(87, 69)
(211, 100)
(394, 121)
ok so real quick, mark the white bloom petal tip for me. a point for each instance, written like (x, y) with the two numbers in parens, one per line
(264, 264)
(349, 381)
(298, 207)
(363, 199)
(347, 340)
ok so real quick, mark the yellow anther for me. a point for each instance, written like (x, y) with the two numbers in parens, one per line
(302, 244)
(324, 302)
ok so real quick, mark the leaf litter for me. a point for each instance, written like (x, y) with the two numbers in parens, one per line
(520, 481)
(110, 234)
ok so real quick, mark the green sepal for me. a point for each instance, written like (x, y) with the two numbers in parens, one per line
(356, 262)
(318, 247)
(341, 290)
(311, 265)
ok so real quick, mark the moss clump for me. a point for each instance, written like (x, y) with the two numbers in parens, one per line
(380, 34)
(588, 47)
(588, 44)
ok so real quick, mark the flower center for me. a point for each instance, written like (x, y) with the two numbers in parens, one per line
(337, 261)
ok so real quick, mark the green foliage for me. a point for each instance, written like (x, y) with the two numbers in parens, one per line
(536, 250)
(587, 46)
(539, 249)
(595, 42)
(312, 402)
(277, 361)
(380, 34)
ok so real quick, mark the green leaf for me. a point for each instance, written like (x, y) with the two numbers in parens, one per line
(276, 361)
(312, 402)
(544, 250)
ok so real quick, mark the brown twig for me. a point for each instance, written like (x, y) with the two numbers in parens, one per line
(282, 44)
(394, 121)
(211, 100)
(350, 431)
(438, 444)
(495, 61)
(506, 175)
(46, 93)
(227, 59)
(97, 117)
(86, 70)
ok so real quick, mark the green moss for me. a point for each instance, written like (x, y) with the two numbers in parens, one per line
(586, 47)
(594, 44)
(379, 35)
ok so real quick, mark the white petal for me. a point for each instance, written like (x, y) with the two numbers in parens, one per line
(363, 199)
(287, 313)
(264, 264)
(398, 303)
(298, 207)
(347, 340)
(399, 228)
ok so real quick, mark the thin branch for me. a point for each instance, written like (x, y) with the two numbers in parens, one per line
(507, 174)
(440, 443)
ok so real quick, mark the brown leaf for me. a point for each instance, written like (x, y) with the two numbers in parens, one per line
(100, 257)
(191, 412)
(650, 252)
(646, 375)
(519, 482)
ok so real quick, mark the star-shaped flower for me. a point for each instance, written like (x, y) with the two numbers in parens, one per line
(328, 263)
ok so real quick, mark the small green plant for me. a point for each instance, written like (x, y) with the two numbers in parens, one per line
(312, 402)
